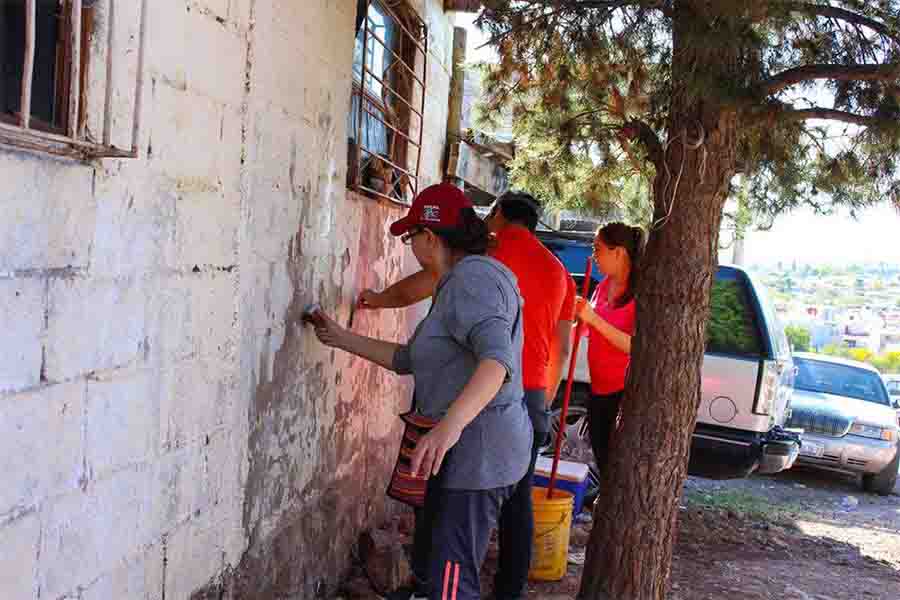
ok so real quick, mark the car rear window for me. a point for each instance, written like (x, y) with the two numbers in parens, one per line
(732, 327)
(573, 254)
(840, 380)
(893, 388)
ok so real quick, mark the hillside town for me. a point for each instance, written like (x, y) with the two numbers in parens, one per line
(853, 307)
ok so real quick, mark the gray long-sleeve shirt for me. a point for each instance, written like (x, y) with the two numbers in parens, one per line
(476, 315)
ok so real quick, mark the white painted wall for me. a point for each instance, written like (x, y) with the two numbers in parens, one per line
(164, 419)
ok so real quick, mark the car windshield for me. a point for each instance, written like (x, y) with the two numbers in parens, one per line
(840, 380)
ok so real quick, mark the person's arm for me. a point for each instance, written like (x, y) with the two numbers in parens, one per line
(616, 337)
(333, 335)
(561, 345)
(405, 292)
(478, 392)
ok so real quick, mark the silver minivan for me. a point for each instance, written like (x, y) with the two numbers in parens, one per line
(748, 376)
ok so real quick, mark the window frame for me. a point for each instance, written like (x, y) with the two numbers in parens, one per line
(69, 138)
(360, 157)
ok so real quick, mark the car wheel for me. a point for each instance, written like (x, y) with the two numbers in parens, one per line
(883, 483)
(575, 416)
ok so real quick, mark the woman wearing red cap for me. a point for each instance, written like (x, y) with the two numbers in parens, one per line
(610, 315)
(465, 357)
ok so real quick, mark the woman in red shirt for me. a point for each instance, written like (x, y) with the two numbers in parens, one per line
(610, 317)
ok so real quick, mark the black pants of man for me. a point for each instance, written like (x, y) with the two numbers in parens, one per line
(603, 412)
(517, 518)
(517, 533)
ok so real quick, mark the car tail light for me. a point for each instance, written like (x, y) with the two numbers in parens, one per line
(768, 387)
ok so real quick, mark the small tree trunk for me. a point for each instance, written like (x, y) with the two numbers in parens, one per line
(737, 256)
(630, 550)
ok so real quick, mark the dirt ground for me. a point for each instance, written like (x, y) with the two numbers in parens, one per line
(801, 535)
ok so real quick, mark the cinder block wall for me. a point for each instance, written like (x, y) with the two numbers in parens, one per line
(167, 427)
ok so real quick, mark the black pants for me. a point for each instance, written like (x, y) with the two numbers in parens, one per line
(516, 533)
(459, 543)
(603, 411)
(452, 534)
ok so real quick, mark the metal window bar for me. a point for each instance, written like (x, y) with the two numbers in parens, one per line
(399, 58)
(422, 47)
(75, 73)
(405, 136)
(28, 66)
(73, 143)
(365, 153)
(373, 156)
(139, 83)
(415, 111)
(424, 88)
(107, 97)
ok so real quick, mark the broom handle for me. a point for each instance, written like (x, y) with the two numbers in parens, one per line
(564, 413)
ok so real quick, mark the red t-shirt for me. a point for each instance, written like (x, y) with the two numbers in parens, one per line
(607, 363)
(549, 294)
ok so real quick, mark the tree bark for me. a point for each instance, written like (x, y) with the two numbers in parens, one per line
(630, 550)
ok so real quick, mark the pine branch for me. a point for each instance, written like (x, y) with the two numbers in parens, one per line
(834, 12)
(785, 79)
(560, 7)
(580, 115)
(494, 40)
(829, 114)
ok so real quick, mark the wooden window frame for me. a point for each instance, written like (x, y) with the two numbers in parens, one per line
(68, 137)
(403, 182)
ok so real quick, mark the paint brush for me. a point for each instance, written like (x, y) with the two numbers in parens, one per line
(352, 314)
(312, 314)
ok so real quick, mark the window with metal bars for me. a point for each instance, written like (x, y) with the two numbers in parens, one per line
(385, 122)
(45, 58)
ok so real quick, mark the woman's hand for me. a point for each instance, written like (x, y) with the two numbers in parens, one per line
(327, 330)
(370, 299)
(583, 309)
(431, 449)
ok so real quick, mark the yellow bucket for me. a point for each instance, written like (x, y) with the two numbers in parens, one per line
(552, 525)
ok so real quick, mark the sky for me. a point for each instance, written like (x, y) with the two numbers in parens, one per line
(839, 239)
(873, 237)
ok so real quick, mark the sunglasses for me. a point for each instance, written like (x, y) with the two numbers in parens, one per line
(407, 237)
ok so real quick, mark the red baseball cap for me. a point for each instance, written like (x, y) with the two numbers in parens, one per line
(439, 206)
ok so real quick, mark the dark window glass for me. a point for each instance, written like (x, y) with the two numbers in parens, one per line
(48, 108)
(732, 326)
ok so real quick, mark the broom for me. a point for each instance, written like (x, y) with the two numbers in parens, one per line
(561, 432)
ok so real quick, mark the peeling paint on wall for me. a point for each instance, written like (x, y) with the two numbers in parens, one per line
(154, 309)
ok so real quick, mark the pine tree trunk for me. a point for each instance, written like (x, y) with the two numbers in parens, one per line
(630, 550)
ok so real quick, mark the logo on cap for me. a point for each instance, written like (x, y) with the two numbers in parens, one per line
(431, 213)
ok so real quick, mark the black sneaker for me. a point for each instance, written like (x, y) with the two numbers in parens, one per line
(406, 593)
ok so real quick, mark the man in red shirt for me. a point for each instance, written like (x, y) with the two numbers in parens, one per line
(548, 312)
